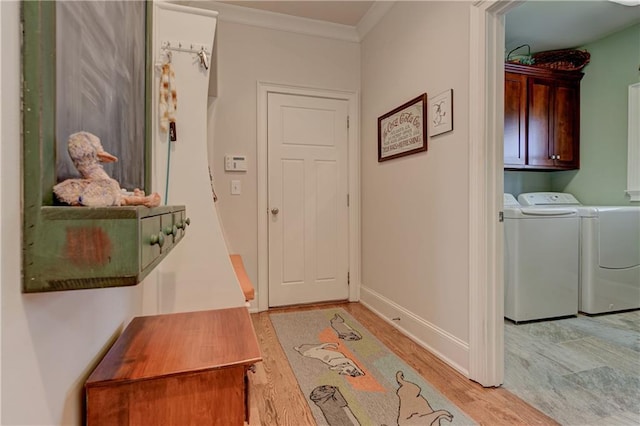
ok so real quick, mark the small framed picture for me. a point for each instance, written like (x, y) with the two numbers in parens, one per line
(441, 113)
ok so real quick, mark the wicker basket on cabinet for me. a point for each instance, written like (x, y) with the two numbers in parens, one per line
(562, 59)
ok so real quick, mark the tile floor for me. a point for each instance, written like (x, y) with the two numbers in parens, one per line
(580, 371)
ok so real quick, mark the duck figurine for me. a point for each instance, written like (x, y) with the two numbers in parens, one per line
(96, 188)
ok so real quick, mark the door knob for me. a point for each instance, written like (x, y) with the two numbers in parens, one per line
(275, 211)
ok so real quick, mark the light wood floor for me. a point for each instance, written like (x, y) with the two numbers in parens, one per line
(276, 399)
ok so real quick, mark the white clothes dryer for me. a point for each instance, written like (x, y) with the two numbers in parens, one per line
(609, 259)
(541, 264)
(609, 255)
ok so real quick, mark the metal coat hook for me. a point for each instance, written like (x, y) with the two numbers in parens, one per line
(204, 60)
(177, 46)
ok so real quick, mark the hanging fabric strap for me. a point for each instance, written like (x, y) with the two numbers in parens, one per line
(167, 106)
(168, 103)
(166, 186)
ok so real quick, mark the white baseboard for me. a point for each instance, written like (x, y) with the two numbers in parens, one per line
(445, 346)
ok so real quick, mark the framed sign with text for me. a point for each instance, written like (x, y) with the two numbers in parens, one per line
(403, 131)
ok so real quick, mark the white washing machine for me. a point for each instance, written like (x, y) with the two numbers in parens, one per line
(609, 256)
(541, 260)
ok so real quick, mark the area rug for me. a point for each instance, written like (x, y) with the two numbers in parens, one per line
(350, 378)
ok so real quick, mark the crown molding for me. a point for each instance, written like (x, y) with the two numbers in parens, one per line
(176, 7)
(279, 21)
(372, 17)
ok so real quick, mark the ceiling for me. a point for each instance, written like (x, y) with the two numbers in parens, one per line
(339, 12)
(544, 25)
(547, 25)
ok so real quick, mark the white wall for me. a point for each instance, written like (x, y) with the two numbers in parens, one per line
(248, 54)
(197, 274)
(1, 115)
(50, 341)
(415, 208)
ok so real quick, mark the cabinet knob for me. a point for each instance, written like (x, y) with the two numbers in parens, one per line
(156, 239)
(275, 211)
(184, 223)
(557, 157)
(170, 230)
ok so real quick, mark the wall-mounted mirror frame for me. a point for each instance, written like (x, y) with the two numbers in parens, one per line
(41, 145)
(100, 84)
(77, 247)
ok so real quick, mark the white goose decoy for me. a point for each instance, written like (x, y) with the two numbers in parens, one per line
(96, 188)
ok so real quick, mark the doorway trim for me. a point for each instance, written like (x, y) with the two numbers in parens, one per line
(263, 90)
(486, 185)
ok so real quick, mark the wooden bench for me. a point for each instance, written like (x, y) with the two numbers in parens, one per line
(184, 368)
(243, 278)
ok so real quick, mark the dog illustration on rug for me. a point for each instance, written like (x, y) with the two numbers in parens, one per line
(329, 354)
(414, 408)
(344, 330)
(333, 405)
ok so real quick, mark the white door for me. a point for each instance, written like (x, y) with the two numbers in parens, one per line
(308, 214)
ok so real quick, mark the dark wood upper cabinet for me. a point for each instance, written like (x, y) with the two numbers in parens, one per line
(541, 118)
(515, 115)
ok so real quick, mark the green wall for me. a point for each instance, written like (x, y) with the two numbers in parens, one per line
(602, 178)
(515, 183)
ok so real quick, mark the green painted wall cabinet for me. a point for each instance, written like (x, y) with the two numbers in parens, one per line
(77, 247)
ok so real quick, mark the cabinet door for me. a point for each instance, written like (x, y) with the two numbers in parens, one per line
(566, 126)
(515, 115)
(540, 118)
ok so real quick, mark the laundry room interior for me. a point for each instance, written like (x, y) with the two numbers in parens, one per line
(572, 273)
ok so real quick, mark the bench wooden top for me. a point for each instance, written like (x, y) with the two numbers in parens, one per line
(172, 344)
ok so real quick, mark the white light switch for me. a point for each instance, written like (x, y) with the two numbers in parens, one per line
(236, 188)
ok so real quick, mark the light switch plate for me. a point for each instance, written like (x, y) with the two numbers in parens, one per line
(236, 187)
